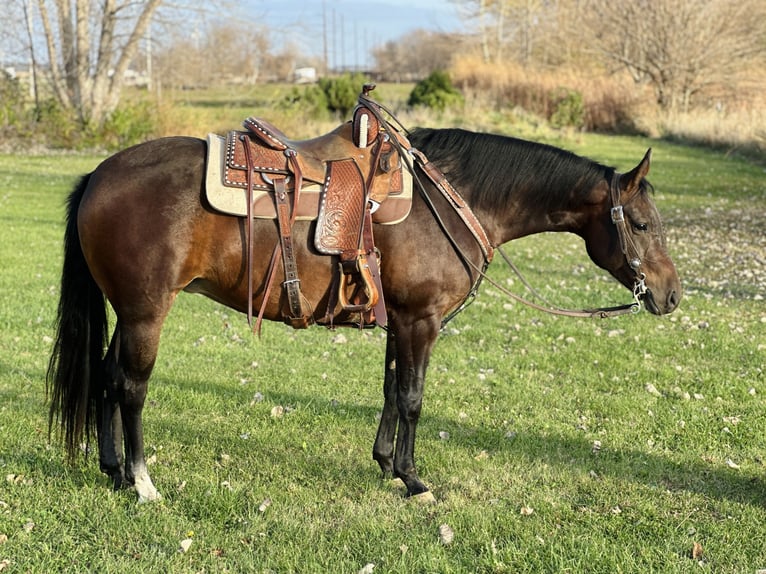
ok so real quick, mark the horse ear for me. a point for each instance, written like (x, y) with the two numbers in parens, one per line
(630, 182)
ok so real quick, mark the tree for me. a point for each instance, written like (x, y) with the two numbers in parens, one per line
(529, 32)
(415, 55)
(89, 48)
(220, 52)
(680, 47)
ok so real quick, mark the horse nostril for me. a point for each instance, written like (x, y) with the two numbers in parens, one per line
(673, 300)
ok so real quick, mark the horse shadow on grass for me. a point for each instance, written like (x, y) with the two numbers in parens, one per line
(650, 469)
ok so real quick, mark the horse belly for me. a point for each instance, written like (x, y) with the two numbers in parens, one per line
(225, 280)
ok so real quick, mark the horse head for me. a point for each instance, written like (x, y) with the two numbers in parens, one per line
(634, 251)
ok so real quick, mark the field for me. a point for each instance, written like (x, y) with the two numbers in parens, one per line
(635, 444)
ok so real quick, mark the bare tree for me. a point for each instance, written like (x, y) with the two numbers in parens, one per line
(416, 54)
(221, 52)
(680, 47)
(529, 32)
(89, 48)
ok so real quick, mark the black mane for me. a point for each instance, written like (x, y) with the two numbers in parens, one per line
(493, 165)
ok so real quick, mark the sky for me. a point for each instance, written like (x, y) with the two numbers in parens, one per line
(354, 27)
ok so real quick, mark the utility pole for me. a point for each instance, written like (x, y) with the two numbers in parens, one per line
(342, 44)
(324, 37)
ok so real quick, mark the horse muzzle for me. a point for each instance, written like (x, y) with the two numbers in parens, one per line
(661, 306)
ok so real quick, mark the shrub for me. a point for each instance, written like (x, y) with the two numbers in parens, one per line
(436, 91)
(129, 124)
(568, 109)
(61, 128)
(12, 115)
(310, 101)
(342, 93)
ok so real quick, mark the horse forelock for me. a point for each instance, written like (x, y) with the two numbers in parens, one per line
(490, 168)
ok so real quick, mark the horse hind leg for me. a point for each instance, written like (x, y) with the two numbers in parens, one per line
(110, 436)
(135, 351)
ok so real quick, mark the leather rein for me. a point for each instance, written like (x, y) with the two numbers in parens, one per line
(454, 199)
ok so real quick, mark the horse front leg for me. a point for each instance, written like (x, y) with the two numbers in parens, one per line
(414, 344)
(383, 450)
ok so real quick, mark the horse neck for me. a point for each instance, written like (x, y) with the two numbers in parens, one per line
(537, 205)
(515, 187)
(525, 214)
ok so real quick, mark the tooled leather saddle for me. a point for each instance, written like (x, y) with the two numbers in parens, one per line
(344, 180)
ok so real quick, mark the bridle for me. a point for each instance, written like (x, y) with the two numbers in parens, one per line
(629, 250)
(627, 245)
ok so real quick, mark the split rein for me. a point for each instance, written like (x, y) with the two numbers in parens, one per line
(476, 229)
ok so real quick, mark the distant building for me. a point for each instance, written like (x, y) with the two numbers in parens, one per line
(307, 75)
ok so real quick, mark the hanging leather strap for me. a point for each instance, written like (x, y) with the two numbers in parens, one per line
(381, 317)
(458, 203)
(249, 232)
(292, 282)
(283, 251)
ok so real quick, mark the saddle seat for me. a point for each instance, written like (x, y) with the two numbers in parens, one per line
(311, 154)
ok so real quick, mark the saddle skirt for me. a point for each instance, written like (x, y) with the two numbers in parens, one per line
(226, 177)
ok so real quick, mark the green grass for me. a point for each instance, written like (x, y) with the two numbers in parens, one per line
(546, 413)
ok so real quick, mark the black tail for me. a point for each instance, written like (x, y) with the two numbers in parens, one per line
(76, 361)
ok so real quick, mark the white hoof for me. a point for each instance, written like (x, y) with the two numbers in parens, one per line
(145, 489)
(424, 498)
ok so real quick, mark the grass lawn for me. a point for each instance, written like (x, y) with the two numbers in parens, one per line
(551, 444)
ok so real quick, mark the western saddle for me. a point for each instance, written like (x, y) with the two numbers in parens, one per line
(358, 165)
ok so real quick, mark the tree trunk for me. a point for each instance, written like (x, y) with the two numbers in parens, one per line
(91, 89)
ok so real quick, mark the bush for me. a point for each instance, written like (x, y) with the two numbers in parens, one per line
(61, 128)
(310, 101)
(342, 93)
(436, 91)
(129, 124)
(13, 117)
(568, 109)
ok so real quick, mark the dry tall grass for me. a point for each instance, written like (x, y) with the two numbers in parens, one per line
(733, 119)
(610, 101)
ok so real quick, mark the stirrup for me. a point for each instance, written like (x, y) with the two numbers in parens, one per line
(361, 268)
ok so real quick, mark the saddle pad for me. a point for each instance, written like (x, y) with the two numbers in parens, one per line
(233, 200)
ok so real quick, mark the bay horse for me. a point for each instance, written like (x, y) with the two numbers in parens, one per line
(139, 231)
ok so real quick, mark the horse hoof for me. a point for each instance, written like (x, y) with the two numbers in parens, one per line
(143, 498)
(424, 498)
(145, 489)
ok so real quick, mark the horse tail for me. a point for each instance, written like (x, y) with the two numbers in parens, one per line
(81, 324)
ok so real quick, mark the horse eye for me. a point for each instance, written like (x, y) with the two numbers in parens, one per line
(640, 226)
